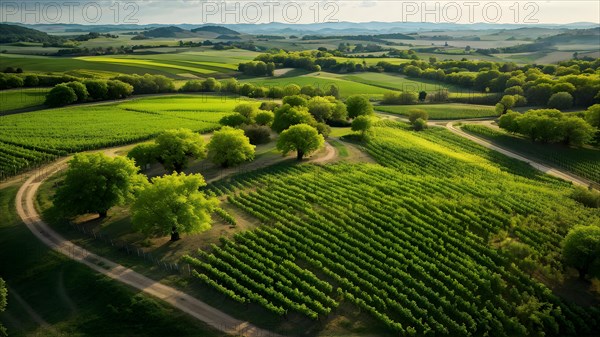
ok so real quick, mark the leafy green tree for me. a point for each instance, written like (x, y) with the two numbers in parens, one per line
(60, 95)
(95, 182)
(333, 90)
(295, 100)
(98, 89)
(422, 96)
(581, 250)
(264, 117)
(414, 114)
(362, 124)
(505, 104)
(211, 85)
(291, 90)
(339, 112)
(173, 204)
(514, 90)
(234, 120)
(269, 106)
(79, 89)
(143, 154)
(561, 101)
(118, 89)
(301, 138)
(230, 85)
(174, 148)
(539, 94)
(321, 108)
(358, 105)
(286, 116)
(592, 115)
(3, 304)
(563, 87)
(247, 110)
(508, 121)
(230, 147)
(576, 131)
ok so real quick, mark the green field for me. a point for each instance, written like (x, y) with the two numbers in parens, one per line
(584, 162)
(415, 255)
(21, 98)
(178, 65)
(399, 82)
(27, 139)
(443, 111)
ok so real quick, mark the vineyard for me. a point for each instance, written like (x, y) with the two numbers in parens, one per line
(584, 162)
(29, 139)
(415, 254)
(21, 99)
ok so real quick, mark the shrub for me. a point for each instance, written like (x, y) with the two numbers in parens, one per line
(235, 120)
(264, 118)
(61, 95)
(587, 197)
(79, 89)
(270, 106)
(561, 100)
(420, 124)
(414, 114)
(258, 134)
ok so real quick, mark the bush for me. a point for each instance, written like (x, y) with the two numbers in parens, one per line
(257, 134)
(587, 197)
(235, 120)
(98, 89)
(420, 124)
(323, 129)
(230, 147)
(211, 85)
(414, 114)
(143, 155)
(439, 96)
(79, 89)
(404, 97)
(60, 95)
(561, 100)
(31, 81)
(264, 118)
(118, 89)
(192, 86)
(295, 100)
(270, 106)
(358, 105)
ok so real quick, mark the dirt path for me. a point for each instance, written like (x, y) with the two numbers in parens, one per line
(330, 154)
(542, 167)
(186, 303)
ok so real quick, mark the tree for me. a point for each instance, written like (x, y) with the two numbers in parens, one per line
(60, 95)
(508, 122)
(247, 110)
(173, 204)
(422, 96)
(234, 120)
(118, 89)
(291, 89)
(286, 116)
(333, 91)
(321, 108)
(295, 100)
(581, 250)
(211, 85)
(230, 147)
(96, 88)
(301, 138)
(143, 154)
(505, 104)
(414, 114)
(592, 116)
(362, 124)
(539, 94)
(264, 117)
(561, 100)
(340, 112)
(358, 105)
(576, 131)
(257, 134)
(174, 148)
(95, 182)
(79, 89)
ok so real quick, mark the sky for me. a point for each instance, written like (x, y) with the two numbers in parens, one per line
(305, 11)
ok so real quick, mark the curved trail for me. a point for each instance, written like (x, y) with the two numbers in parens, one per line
(182, 301)
(542, 167)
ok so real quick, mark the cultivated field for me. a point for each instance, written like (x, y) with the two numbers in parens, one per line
(21, 98)
(443, 111)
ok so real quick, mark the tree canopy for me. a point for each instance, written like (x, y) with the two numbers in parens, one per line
(302, 138)
(362, 124)
(288, 115)
(230, 147)
(60, 95)
(581, 250)
(173, 204)
(358, 105)
(175, 147)
(95, 182)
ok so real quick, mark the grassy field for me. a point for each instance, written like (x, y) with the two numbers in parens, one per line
(27, 139)
(21, 98)
(177, 65)
(70, 297)
(443, 111)
(584, 162)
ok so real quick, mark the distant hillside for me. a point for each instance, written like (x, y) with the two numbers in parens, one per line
(591, 35)
(13, 33)
(215, 29)
(170, 31)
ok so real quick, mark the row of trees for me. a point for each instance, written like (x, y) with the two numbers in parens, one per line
(549, 126)
(119, 87)
(12, 81)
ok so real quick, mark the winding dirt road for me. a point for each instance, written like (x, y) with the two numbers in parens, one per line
(182, 301)
(542, 167)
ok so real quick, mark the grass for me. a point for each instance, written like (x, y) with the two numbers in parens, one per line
(584, 162)
(443, 111)
(21, 98)
(88, 127)
(70, 297)
(398, 82)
